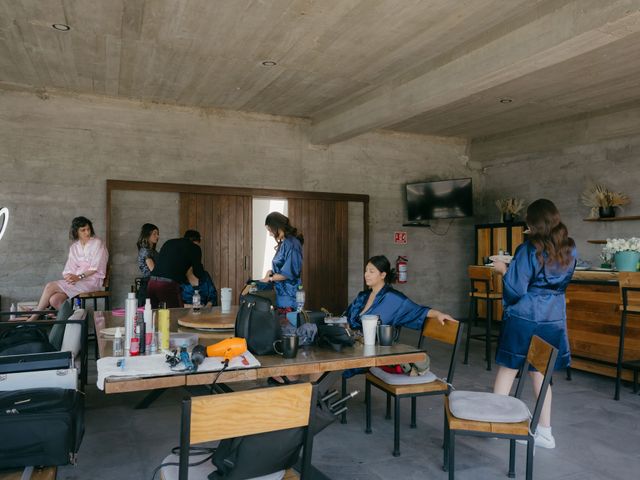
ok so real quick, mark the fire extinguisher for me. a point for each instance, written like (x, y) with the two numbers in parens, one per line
(401, 269)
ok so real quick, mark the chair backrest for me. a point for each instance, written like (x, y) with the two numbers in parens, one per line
(449, 333)
(483, 279)
(105, 280)
(629, 289)
(216, 417)
(542, 356)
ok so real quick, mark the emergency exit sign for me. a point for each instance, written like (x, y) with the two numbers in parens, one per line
(400, 238)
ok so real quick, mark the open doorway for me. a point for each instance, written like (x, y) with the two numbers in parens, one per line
(264, 244)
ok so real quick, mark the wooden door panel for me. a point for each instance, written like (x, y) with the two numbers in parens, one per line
(324, 224)
(224, 221)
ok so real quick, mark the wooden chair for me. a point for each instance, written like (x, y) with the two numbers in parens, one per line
(483, 287)
(30, 473)
(405, 386)
(630, 293)
(103, 294)
(492, 407)
(217, 417)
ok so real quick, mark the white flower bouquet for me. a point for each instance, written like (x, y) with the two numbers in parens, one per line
(625, 253)
(615, 245)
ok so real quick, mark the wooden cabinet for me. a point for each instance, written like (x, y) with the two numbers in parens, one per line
(493, 237)
(490, 239)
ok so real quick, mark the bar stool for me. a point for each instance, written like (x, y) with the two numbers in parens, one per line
(630, 292)
(483, 287)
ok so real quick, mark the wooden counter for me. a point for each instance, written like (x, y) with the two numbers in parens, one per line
(593, 322)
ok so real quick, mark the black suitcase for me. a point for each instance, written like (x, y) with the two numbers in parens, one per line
(40, 427)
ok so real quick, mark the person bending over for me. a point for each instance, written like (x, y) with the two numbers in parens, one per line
(176, 257)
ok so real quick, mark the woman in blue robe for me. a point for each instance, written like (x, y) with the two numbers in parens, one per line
(393, 307)
(534, 303)
(287, 262)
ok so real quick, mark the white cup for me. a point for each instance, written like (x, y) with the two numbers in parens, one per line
(369, 325)
(225, 299)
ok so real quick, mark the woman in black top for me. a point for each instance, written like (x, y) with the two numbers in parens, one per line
(147, 253)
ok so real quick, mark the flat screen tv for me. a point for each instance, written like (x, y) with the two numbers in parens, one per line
(439, 199)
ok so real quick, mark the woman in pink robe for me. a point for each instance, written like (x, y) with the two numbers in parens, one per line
(85, 269)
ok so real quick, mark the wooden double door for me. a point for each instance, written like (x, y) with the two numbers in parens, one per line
(225, 221)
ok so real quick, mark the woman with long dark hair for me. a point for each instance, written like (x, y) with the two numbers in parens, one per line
(147, 253)
(533, 295)
(287, 262)
(380, 298)
(84, 271)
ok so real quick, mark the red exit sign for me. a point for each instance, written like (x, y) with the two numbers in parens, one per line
(400, 238)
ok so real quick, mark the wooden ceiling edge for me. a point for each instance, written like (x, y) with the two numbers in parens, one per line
(226, 190)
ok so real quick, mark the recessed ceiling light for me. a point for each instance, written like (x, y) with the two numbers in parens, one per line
(61, 26)
(506, 100)
(269, 63)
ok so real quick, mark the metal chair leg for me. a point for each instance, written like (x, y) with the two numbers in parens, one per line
(512, 459)
(396, 427)
(623, 322)
(452, 451)
(445, 445)
(413, 412)
(343, 417)
(367, 399)
(472, 316)
(487, 340)
(530, 447)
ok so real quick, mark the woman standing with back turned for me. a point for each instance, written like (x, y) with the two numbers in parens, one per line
(287, 262)
(534, 303)
(147, 253)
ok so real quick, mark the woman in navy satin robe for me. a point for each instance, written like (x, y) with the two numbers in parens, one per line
(534, 303)
(287, 262)
(380, 298)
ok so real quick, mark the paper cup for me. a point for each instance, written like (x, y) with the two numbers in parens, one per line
(369, 325)
(225, 299)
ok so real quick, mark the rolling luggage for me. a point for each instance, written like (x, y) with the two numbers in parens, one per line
(40, 427)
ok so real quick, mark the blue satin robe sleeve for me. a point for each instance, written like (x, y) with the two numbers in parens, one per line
(393, 308)
(521, 271)
(288, 262)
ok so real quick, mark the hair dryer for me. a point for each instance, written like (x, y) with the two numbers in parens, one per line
(228, 348)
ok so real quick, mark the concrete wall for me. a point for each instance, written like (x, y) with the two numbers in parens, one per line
(557, 161)
(56, 153)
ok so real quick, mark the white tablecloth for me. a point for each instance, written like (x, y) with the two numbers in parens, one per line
(156, 365)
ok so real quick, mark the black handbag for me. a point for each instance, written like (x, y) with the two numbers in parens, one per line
(258, 323)
(25, 338)
(40, 426)
(335, 337)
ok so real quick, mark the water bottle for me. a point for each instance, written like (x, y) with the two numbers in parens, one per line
(300, 298)
(76, 304)
(195, 302)
(12, 309)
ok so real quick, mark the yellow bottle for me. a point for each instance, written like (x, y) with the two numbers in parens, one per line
(163, 328)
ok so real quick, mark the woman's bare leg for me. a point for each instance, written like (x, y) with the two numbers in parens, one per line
(57, 299)
(504, 380)
(50, 289)
(545, 415)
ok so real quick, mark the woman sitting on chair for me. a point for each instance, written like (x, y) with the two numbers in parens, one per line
(380, 298)
(85, 268)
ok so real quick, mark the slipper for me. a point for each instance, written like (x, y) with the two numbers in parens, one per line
(273, 381)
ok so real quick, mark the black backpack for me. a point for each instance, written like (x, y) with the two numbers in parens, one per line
(24, 338)
(258, 323)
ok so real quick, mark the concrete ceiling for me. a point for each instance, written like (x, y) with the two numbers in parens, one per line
(421, 66)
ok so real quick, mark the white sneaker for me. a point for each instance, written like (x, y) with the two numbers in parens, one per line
(541, 440)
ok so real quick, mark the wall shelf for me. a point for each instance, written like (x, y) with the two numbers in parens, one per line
(597, 242)
(612, 219)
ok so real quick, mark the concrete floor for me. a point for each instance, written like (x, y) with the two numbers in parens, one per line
(597, 438)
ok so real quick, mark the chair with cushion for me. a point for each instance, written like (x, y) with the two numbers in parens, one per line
(104, 294)
(485, 414)
(216, 417)
(402, 386)
(484, 287)
(630, 293)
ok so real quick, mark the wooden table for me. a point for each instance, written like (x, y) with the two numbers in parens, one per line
(309, 360)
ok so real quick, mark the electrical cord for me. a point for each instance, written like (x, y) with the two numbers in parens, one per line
(215, 379)
(445, 232)
(192, 451)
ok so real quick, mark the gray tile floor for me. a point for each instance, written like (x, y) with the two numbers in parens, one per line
(597, 438)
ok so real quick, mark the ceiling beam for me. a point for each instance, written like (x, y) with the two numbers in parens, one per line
(555, 34)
